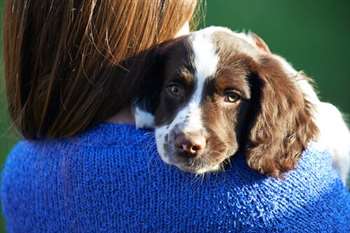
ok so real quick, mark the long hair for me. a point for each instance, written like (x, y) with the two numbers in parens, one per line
(63, 58)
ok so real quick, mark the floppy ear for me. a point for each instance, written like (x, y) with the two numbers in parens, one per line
(258, 42)
(282, 125)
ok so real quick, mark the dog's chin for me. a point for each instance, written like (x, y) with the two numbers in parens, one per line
(199, 170)
(195, 166)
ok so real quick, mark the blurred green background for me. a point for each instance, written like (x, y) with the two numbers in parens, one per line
(312, 35)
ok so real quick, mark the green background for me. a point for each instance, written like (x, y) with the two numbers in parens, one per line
(312, 35)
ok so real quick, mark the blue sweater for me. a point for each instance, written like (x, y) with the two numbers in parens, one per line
(110, 179)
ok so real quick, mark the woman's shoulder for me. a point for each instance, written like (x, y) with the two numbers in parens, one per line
(103, 139)
(41, 178)
(106, 146)
(112, 176)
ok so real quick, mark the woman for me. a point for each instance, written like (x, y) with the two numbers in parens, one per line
(84, 167)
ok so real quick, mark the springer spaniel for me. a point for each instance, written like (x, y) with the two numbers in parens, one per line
(215, 92)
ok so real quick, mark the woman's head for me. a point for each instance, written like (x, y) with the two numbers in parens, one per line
(63, 58)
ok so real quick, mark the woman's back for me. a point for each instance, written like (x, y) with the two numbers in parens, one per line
(110, 179)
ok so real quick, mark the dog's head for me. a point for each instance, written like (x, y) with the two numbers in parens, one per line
(216, 92)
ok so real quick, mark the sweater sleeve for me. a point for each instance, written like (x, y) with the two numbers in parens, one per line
(112, 180)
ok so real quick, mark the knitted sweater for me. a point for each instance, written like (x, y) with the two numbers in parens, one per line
(110, 179)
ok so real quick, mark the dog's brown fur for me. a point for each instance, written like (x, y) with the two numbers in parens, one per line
(271, 123)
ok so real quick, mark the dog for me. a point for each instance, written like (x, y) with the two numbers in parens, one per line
(216, 92)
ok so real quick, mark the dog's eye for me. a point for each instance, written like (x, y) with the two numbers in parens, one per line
(175, 90)
(231, 96)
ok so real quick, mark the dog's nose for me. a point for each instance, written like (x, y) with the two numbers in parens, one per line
(190, 145)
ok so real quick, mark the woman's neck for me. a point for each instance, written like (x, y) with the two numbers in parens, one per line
(125, 116)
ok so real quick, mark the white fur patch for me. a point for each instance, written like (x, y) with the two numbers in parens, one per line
(205, 63)
(161, 134)
(143, 119)
(205, 57)
(189, 118)
(334, 136)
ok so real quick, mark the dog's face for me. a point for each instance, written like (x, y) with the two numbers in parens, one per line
(212, 99)
(202, 104)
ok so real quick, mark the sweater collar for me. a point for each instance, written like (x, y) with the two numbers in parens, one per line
(109, 134)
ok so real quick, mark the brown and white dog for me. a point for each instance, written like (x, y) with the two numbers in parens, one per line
(216, 92)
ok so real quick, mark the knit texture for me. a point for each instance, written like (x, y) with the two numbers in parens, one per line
(110, 179)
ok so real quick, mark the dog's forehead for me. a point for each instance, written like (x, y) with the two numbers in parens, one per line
(206, 53)
(224, 42)
(177, 58)
(207, 49)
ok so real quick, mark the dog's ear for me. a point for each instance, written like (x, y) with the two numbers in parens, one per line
(259, 42)
(281, 124)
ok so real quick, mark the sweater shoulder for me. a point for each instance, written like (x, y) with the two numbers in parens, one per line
(109, 145)
(111, 177)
